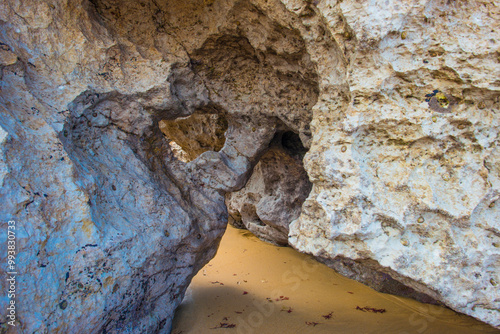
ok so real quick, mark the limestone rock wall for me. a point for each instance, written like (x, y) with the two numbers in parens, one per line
(111, 224)
(405, 171)
(396, 101)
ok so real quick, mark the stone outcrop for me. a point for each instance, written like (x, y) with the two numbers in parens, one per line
(405, 173)
(111, 224)
(274, 194)
(126, 124)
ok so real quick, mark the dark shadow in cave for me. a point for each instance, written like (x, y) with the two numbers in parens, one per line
(291, 143)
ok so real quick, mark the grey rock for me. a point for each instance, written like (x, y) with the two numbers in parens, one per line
(119, 199)
(111, 225)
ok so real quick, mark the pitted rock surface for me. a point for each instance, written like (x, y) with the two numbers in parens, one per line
(119, 198)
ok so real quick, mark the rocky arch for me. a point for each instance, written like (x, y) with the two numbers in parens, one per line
(148, 221)
(85, 85)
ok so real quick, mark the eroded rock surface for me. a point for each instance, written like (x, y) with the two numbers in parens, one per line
(396, 101)
(111, 224)
(273, 196)
(196, 134)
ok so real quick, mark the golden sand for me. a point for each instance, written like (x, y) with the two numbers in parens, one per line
(254, 287)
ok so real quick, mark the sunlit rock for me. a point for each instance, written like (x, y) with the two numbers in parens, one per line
(119, 199)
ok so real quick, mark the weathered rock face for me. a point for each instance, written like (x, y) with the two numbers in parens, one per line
(196, 134)
(406, 174)
(273, 196)
(111, 225)
(403, 146)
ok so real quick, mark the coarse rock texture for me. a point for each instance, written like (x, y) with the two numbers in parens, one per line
(405, 168)
(396, 101)
(273, 196)
(111, 226)
(196, 134)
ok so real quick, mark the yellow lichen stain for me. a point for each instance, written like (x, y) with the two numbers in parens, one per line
(446, 176)
(442, 100)
(87, 227)
(108, 281)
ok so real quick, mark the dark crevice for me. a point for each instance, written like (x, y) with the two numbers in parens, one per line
(293, 145)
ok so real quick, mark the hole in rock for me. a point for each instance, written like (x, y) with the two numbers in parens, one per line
(190, 136)
(291, 143)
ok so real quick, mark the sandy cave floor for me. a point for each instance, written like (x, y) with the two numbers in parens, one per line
(254, 287)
